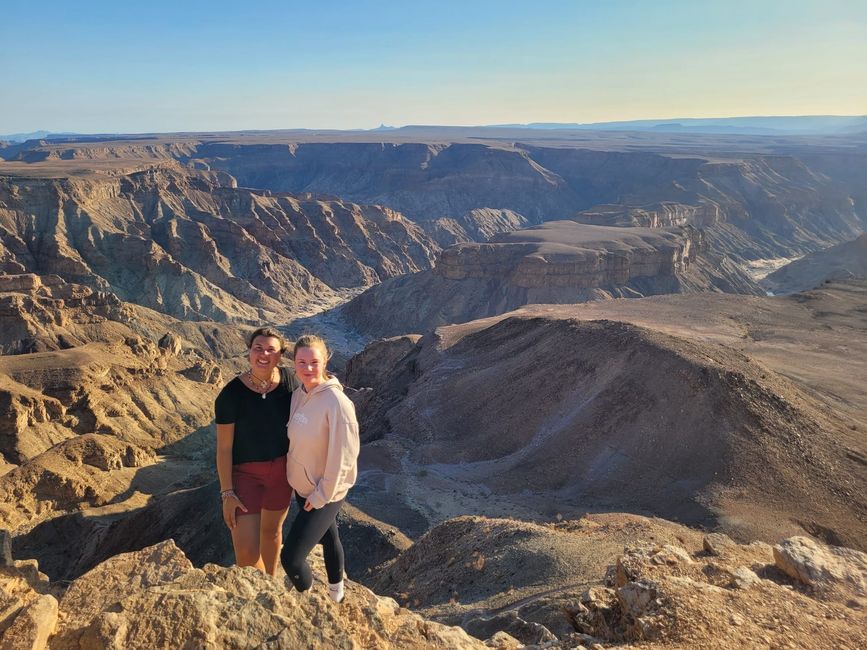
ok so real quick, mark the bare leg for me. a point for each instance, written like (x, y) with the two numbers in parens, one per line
(245, 539)
(271, 538)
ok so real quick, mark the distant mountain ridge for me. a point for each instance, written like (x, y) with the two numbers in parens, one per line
(743, 125)
(758, 125)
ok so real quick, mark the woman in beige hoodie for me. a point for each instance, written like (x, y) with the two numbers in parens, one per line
(321, 465)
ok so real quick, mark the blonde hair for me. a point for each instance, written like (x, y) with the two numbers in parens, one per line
(311, 341)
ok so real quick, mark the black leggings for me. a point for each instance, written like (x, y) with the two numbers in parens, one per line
(308, 529)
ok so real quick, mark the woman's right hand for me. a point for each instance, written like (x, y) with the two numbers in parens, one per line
(230, 507)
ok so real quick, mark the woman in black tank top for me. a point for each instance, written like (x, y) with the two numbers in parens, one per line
(251, 415)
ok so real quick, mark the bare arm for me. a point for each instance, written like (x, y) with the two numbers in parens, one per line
(225, 438)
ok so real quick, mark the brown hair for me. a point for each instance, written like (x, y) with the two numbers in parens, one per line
(311, 341)
(269, 332)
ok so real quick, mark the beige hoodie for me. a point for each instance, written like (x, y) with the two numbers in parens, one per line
(323, 443)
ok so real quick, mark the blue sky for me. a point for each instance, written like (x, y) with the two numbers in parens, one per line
(93, 66)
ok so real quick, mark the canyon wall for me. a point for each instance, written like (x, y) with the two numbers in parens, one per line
(777, 202)
(556, 262)
(191, 245)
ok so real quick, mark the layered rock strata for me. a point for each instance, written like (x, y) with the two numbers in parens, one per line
(778, 197)
(190, 244)
(779, 204)
(78, 423)
(39, 313)
(557, 262)
(665, 214)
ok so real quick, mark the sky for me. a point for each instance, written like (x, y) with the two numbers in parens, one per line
(190, 65)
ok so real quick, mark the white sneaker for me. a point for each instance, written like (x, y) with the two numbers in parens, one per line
(336, 592)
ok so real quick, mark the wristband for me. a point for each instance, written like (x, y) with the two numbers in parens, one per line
(225, 494)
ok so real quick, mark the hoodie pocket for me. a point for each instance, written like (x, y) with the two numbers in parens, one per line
(298, 478)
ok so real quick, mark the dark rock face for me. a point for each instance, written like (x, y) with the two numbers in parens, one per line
(558, 262)
(367, 543)
(191, 517)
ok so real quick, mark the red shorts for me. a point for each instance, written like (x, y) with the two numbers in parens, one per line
(262, 485)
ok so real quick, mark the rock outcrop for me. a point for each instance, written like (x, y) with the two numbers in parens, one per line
(665, 214)
(39, 313)
(623, 579)
(156, 598)
(664, 596)
(558, 262)
(827, 570)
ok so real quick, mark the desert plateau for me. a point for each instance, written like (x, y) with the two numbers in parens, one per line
(611, 383)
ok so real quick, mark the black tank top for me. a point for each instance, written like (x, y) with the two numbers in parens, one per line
(260, 424)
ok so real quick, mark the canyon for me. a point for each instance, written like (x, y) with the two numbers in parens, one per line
(557, 262)
(583, 370)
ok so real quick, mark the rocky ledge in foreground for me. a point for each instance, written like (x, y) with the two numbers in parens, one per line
(799, 593)
(155, 598)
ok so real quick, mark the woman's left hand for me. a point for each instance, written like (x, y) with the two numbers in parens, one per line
(308, 506)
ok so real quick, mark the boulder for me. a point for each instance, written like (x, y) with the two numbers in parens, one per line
(171, 343)
(717, 543)
(825, 569)
(205, 372)
(118, 578)
(503, 641)
(32, 626)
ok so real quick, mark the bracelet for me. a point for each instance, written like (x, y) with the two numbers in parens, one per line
(225, 494)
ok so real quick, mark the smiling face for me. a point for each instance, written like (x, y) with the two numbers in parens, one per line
(264, 355)
(310, 366)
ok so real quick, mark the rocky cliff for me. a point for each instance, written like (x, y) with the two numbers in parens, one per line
(78, 423)
(660, 215)
(557, 262)
(777, 204)
(770, 197)
(192, 245)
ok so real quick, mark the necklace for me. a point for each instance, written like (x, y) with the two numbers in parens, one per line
(263, 386)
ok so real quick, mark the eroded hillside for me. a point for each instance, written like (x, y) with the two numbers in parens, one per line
(192, 245)
(608, 415)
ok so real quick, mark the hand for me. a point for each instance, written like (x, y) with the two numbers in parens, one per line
(308, 506)
(230, 505)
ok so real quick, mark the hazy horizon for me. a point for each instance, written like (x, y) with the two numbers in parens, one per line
(673, 121)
